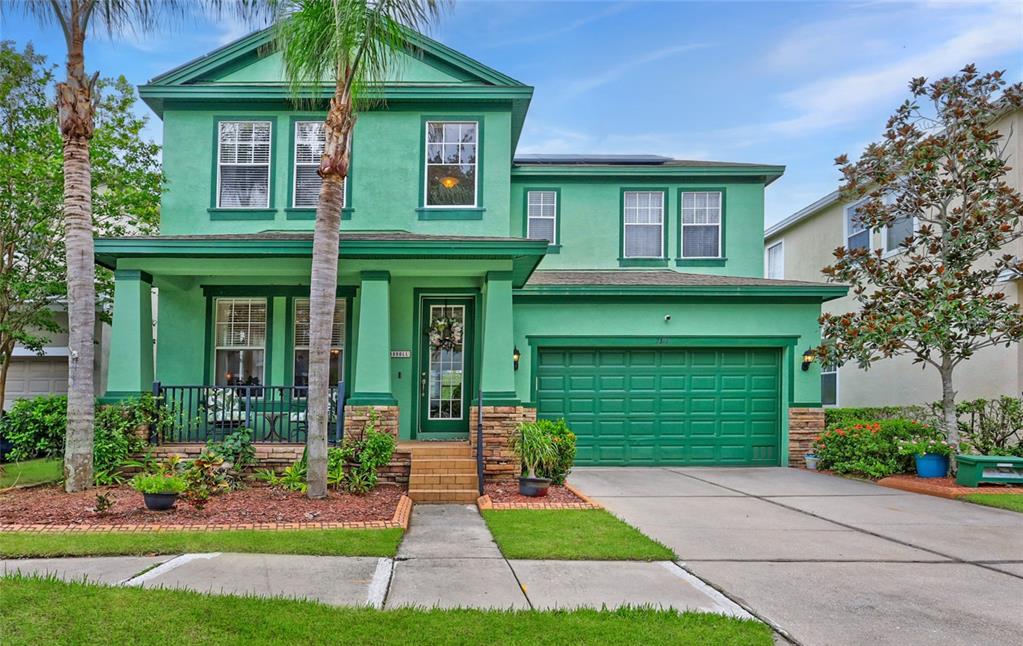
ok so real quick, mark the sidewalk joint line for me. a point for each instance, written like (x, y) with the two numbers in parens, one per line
(166, 567)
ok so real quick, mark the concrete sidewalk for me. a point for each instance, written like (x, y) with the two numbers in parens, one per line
(448, 559)
(829, 560)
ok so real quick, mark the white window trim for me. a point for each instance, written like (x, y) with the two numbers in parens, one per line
(294, 168)
(845, 223)
(897, 250)
(554, 218)
(217, 347)
(269, 164)
(838, 398)
(475, 165)
(626, 225)
(767, 259)
(682, 227)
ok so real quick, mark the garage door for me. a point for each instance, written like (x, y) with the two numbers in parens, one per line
(665, 406)
(30, 377)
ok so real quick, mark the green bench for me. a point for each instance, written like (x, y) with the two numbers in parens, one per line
(975, 469)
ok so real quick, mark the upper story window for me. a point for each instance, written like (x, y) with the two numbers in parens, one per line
(857, 235)
(243, 164)
(643, 224)
(451, 160)
(240, 334)
(309, 138)
(701, 224)
(896, 232)
(775, 261)
(337, 342)
(542, 215)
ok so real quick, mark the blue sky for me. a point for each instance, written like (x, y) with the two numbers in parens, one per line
(793, 83)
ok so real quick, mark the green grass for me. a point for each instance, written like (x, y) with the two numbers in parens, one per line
(573, 534)
(40, 611)
(1012, 502)
(327, 542)
(31, 472)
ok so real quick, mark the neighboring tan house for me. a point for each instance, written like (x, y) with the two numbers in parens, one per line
(623, 293)
(798, 247)
(31, 374)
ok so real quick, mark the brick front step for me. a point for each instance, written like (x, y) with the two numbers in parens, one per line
(445, 465)
(443, 495)
(436, 480)
(438, 449)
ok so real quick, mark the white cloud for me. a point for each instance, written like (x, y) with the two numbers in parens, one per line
(613, 73)
(549, 139)
(562, 30)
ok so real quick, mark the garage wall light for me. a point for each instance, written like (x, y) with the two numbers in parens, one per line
(516, 355)
(808, 356)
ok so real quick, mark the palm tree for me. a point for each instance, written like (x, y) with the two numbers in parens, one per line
(352, 43)
(75, 112)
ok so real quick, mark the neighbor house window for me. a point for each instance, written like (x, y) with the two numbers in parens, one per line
(896, 232)
(240, 333)
(541, 215)
(309, 138)
(857, 236)
(829, 385)
(644, 224)
(451, 148)
(701, 224)
(337, 342)
(776, 261)
(243, 168)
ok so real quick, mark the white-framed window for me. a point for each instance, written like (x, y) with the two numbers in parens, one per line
(243, 164)
(896, 232)
(305, 190)
(774, 261)
(240, 341)
(857, 235)
(701, 224)
(829, 385)
(643, 224)
(542, 216)
(451, 160)
(337, 342)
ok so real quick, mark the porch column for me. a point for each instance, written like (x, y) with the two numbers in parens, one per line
(373, 355)
(131, 335)
(497, 375)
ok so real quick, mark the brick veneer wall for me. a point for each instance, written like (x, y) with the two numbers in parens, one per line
(499, 422)
(356, 418)
(805, 424)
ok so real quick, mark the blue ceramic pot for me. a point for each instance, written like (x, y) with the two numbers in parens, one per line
(932, 465)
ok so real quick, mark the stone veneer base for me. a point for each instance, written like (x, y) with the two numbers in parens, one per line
(805, 424)
(357, 417)
(499, 422)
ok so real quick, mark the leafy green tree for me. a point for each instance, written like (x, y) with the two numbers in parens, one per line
(942, 299)
(126, 173)
(350, 44)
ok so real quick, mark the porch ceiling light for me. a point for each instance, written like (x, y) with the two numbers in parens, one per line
(808, 356)
(449, 181)
(516, 355)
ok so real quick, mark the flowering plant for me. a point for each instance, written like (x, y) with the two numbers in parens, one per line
(923, 445)
(868, 448)
(445, 333)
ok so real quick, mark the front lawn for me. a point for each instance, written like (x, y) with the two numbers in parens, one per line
(324, 542)
(574, 534)
(31, 472)
(79, 613)
(1012, 502)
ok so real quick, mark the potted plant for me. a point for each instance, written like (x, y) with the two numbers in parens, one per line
(811, 461)
(160, 490)
(931, 455)
(535, 451)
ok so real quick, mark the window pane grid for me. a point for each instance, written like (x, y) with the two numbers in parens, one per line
(240, 337)
(701, 224)
(337, 333)
(451, 149)
(243, 164)
(644, 224)
(309, 141)
(446, 370)
(541, 211)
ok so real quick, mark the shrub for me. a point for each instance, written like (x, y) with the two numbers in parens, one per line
(834, 417)
(158, 483)
(564, 448)
(353, 466)
(35, 427)
(868, 448)
(991, 427)
(236, 449)
(120, 432)
(534, 447)
(205, 475)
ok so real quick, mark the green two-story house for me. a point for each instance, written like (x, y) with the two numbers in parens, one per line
(623, 293)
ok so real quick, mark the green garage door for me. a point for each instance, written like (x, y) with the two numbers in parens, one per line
(669, 406)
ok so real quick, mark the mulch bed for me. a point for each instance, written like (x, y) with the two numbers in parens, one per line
(255, 503)
(505, 492)
(944, 487)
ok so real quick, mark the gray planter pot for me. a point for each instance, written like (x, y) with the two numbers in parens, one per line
(811, 461)
(535, 487)
(160, 501)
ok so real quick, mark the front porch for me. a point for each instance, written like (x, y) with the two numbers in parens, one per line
(422, 334)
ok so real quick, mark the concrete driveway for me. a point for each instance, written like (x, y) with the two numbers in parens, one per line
(828, 560)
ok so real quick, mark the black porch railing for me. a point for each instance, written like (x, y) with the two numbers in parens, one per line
(272, 413)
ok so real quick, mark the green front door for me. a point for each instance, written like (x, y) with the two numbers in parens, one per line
(665, 406)
(445, 366)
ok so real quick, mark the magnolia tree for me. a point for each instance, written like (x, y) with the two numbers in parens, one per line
(942, 166)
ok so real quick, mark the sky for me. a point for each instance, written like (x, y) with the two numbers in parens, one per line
(790, 83)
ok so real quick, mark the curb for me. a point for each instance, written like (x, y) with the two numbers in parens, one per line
(484, 503)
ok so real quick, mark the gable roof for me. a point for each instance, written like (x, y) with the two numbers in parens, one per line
(802, 214)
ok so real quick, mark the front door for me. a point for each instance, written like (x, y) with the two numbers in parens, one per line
(445, 366)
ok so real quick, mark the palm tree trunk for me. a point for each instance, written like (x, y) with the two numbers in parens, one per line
(75, 115)
(323, 288)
